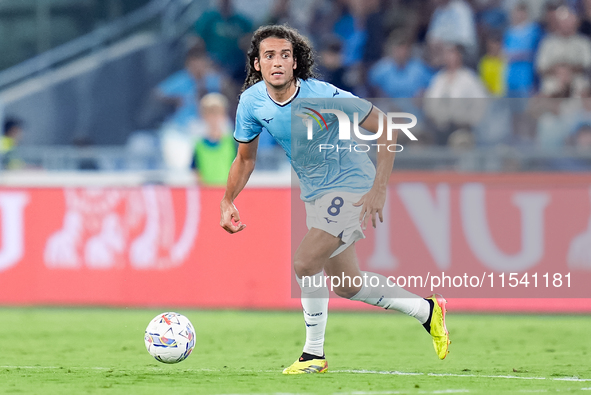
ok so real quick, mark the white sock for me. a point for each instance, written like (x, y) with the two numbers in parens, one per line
(315, 305)
(393, 298)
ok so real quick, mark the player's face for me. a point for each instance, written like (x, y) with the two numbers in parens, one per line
(276, 62)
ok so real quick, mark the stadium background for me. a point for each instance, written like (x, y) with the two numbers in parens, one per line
(98, 192)
(104, 224)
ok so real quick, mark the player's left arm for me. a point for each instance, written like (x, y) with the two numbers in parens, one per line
(373, 201)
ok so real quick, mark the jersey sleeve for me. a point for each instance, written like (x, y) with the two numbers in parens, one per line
(353, 104)
(247, 127)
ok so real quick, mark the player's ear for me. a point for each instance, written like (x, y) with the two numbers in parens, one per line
(295, 63)
(257, 65)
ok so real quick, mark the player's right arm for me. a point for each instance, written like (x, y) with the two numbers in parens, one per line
(240, 172)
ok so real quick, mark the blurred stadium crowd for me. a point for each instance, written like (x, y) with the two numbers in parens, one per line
(528, 62)
(427, 51)
(430, 48)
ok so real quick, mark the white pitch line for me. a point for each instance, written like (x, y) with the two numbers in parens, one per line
(29, 367)
(369, 393)
(569, 379)
(450, 391)
(396, 373)
(355, 371)
(53, 367)
(487, 376)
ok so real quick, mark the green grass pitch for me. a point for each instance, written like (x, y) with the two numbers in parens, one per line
(96, 351)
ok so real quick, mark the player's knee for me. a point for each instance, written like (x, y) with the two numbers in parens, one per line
(346, 292)
(304, 267)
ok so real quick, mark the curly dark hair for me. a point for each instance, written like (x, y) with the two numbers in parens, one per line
(302, 52)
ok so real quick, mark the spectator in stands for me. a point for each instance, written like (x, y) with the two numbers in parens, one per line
(582, 140)
(407, 18)
(491, 17)
(580, 143)
(297, 14)
(492, 67)
(519, 46)
(585, 27)
(555, 120)
(360, 29)
(564, 58)
(549, 18)
(452, 23)
(399, 74)
(461, 140)
(215, 152)
(11, 136)
(184, 88)
(323, 19)
(455, 81)
(581, 112)
(331, 64)
(536, 9)
(353, 30)
(376, 33)
(225, 34)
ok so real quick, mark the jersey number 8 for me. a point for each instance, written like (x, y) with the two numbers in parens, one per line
(335, 208)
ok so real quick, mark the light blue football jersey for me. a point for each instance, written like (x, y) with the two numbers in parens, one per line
(320, 172)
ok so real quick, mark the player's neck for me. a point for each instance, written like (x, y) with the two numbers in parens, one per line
(284, 93)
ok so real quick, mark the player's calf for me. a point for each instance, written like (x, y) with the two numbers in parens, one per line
(346, 292)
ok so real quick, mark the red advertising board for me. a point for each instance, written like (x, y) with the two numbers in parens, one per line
(161, 246)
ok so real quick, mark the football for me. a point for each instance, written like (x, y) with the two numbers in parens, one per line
(170, 337)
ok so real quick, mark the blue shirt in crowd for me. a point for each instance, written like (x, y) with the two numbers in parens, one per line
(520, 45)
(183, 85)
(396, 81)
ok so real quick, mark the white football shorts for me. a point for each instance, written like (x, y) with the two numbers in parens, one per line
(335, 214)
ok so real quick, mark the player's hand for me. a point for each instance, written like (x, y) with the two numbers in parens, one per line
(230, 217)
(372, 204)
